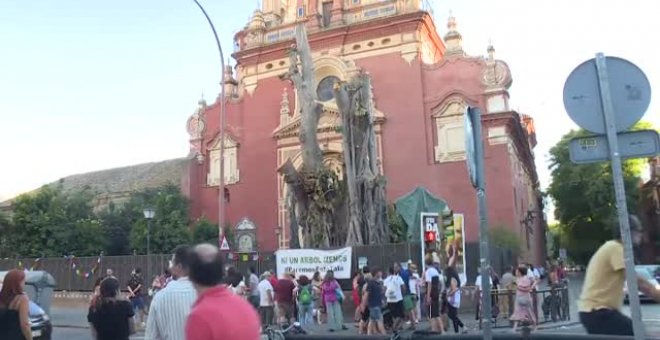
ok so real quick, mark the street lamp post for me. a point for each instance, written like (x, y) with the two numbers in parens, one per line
(223, 123)
(149, 215)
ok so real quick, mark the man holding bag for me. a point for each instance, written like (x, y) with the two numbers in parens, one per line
(394, 287)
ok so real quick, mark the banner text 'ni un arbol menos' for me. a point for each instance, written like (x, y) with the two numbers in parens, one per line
(308, 261)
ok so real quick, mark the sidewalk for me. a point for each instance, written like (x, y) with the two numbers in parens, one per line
(471, 325)
(77, 318)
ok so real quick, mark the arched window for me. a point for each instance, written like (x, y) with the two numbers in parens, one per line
(231, 172)
(450, 131)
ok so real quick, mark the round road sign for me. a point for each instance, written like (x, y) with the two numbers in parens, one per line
(629, 89)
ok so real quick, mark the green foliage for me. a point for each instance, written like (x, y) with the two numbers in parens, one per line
(326, 192)
(230, 235)
(398, 227)
(90, 230)
(555, 238)
(116, 230)
(169, 227)
(584, 197)
(52, 223)
(4, 232)
(204, 231)
(504, 238)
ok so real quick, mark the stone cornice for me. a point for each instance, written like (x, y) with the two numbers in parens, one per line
(343, 34)
(292, 128)
(511, 120)
(450, 60)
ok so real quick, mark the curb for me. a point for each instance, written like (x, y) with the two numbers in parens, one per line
(554, 326)
(70, 326)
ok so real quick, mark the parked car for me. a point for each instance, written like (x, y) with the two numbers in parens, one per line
(42, 328)
(649, 272)
(39, 287)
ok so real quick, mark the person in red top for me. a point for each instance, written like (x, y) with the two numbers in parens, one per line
(284, 297)
(273, 279)
(218, 314)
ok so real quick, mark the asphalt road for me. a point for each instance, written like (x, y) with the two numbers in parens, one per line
(60, 333)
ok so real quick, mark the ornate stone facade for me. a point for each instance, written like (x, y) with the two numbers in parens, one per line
(421, 84)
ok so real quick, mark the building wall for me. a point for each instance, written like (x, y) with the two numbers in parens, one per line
(408, 92)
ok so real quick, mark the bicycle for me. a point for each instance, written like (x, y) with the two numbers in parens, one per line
(274, 333)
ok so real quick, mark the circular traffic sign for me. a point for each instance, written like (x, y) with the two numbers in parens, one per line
(630, 92)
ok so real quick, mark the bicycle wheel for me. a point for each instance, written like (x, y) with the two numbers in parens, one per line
(274, 334)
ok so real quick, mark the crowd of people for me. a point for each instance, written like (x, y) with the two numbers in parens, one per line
(195, 299)
(404, 296)
(198, 298)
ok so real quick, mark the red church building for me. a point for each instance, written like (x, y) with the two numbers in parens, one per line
(422, 83)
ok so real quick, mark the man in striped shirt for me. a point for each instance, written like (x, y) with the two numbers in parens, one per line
(171, 306)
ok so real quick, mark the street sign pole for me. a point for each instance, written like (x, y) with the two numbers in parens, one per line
(619, 189)
(477, 161)
(421, 240)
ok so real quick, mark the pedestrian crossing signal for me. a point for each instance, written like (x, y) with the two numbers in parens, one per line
(429, 236)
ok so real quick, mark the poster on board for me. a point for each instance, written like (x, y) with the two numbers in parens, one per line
(308, 261)
(459, 243)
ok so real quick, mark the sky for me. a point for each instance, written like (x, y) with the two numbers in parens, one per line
(90, 85)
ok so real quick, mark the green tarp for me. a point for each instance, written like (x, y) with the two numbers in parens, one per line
(410, 206)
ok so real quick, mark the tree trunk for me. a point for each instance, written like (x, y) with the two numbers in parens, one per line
(366, 187)
(317, 205)
(312, 185)
(301, 73)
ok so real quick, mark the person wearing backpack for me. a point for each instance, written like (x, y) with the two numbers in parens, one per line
(394, 287)
(305, 298)
(333, 297)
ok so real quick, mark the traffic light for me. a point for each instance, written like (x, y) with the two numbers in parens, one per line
(429, 231)
(447, 218)
(429, 236)
(430, 240)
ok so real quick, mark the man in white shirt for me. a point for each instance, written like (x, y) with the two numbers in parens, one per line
(171, 306)
(533, 273)
(478, 283)
(394, 286)
(266, 305)
(254, 290)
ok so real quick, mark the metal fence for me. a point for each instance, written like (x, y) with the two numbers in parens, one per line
(548, 305)
(381, 256)
(74, 279)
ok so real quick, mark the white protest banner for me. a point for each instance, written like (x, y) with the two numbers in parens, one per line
(308, 261)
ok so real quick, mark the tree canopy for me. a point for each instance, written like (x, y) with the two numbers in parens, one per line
(585, 205)
(169, 227)
(51, 222)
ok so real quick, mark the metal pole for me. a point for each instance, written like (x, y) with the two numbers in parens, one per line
(620, 192)
(422, 245)
(484, 251)
(148, 278)
(223, 124)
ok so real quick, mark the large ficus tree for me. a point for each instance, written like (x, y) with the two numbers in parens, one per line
(328, 210)
(584, 197)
